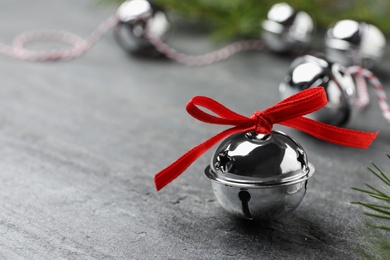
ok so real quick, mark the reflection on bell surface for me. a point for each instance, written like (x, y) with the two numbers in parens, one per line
(309, 71)
(138, 17)
(256, 176)
(350, 42)
(286, 29)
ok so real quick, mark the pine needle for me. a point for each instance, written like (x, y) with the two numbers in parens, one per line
(377, 216)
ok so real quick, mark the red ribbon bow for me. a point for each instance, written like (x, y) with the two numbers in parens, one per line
(288, 112)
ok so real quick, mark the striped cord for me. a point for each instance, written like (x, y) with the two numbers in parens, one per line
(78, 45)
(208, 58)
(365, 74)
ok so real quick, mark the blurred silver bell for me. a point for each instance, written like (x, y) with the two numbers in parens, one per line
(286, 29)
(309, 71)
(256, 176)
(136, 18)
(354, 43)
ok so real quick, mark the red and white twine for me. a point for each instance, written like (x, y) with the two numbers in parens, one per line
(78, 45)
(363, 97)
(360, 72)
(208, 58)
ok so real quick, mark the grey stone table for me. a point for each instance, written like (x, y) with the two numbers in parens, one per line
(81, 141)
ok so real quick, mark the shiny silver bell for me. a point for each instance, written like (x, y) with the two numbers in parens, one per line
(309, 71)
(136, 18)
(354, 43)
(259, 176)
(286, 29)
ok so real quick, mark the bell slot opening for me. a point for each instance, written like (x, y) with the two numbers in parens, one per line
(245, 197)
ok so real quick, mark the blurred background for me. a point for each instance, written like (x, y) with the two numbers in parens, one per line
(241, 18)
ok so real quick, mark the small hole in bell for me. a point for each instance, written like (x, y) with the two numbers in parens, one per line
(224, 162)
(245, 197)
(301, 158)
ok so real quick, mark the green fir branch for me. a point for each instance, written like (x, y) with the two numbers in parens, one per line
(382, 195)
(376, 242)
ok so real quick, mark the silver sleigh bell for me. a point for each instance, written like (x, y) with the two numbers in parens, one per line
(286, 29)
(136, 18)
(350, 42)
(256, 176)
(309, 71)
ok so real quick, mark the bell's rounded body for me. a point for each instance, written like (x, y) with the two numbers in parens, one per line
(136, 18)
(259, 176)
(287, 30)
(309, 71)
(350, 42)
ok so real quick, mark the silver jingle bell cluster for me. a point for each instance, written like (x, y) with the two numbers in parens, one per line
(257, 176)
(347, 43)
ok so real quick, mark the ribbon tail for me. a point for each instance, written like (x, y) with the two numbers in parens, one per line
(173, 171)
(333, 134)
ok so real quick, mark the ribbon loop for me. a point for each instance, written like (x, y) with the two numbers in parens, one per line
(288, 112)
(227, 116)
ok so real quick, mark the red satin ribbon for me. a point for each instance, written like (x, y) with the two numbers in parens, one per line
(288, 112)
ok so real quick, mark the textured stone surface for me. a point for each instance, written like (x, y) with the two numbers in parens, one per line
(81, 141)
